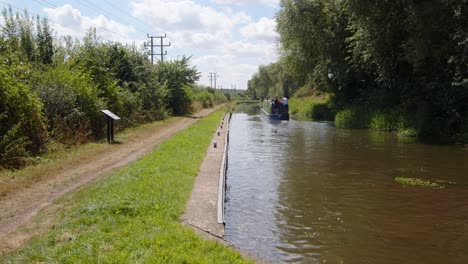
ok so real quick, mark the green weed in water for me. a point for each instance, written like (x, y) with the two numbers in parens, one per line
(418, 182)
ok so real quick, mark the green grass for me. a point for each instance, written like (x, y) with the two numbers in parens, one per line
(383, 120)
(310, 108)
(133, 215)
(356, 117)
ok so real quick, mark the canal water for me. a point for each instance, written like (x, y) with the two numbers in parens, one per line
(305, 192)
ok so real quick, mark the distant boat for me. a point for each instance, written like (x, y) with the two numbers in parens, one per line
(274, 113)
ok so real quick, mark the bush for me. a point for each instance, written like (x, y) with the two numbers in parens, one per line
(220, 97)
(153, 97)
(181, 100)
(22, 124)
(320, 111)
(305, 91)
(388, 120)
(131, 112)
(71, 104)
(13, 145)
(205, 98)
(384, 120)
(354, 117)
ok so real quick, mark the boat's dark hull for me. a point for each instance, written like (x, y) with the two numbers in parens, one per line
(275, 117)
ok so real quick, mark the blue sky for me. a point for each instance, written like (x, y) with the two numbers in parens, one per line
(225, 36)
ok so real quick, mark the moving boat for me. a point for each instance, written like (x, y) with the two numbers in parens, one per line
(274, 112)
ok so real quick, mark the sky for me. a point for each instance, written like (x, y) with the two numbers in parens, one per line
(228, 37)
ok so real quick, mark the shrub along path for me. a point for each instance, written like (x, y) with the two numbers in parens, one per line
(19, 206)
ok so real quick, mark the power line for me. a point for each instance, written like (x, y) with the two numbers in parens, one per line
(48, 19)
(123, 21)
(126, 13)
(49, 4)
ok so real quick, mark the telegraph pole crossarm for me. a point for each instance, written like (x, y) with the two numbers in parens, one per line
(161, 46)
(213, 77)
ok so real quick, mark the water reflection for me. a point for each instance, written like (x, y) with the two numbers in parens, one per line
(248, 108)
(304, 192)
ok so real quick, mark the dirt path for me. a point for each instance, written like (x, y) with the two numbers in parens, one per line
(17, 209)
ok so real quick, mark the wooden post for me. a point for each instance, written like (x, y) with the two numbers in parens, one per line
(112, 130)
(108, 130)
(110, 124)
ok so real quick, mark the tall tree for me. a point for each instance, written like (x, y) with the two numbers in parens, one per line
(44, 41)
(178, 77)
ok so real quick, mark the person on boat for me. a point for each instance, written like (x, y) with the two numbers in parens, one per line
(285, 104)
(272, 105)
(276, 105)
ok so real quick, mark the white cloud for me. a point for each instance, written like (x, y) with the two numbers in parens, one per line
(201, 41)
(236, 64)
(69, 21)
(230, 72)
(264, 29)
(261, 52)
(185, 15)
(271, 3)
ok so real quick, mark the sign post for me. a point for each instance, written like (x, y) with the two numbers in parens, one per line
(110, 124)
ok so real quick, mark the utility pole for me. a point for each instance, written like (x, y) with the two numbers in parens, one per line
(213, 77)
(216, 75)
(150, 45)
(161, 45)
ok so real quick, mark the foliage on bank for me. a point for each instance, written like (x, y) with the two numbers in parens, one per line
(133, 215)
(311, 108)
(52, 91)
(409, 58)
(377, 119)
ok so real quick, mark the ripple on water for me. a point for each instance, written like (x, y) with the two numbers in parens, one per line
(303, 192)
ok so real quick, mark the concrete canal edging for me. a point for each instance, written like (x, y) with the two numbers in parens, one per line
(222, 171)
(205, 209)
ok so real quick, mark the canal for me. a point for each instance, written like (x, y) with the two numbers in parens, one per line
(305, 192)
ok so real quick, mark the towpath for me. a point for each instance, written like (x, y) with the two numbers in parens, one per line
(19, 207)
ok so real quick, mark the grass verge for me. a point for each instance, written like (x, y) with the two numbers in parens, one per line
(132, 216)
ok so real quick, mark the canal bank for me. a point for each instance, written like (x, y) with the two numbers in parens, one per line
(133, 214)
(205, 208)
(204, 211)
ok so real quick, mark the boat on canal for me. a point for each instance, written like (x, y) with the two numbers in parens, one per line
(274, 112)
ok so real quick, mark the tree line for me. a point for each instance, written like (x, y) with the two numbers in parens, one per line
(396, 65)
(52, 89)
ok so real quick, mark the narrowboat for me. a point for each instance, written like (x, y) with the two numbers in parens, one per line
(274, 111)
